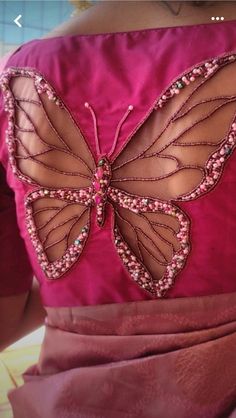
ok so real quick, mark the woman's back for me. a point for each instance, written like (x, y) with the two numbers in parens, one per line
(122, 16)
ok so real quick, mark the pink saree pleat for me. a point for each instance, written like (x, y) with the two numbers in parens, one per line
(147, 359)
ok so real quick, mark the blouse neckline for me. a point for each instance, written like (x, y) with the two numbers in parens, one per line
(139, 31)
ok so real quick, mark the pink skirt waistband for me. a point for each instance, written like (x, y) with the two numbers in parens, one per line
(147, 359)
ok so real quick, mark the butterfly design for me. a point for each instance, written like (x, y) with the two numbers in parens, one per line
(175, 154)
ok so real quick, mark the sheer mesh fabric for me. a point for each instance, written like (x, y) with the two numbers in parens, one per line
(177, 154)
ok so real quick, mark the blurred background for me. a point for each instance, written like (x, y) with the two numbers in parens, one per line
(14, 360)
(37, 18)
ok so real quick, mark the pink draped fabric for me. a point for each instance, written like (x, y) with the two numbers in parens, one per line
(143, 359)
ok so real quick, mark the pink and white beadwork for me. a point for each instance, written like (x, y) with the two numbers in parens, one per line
(214, 166)
(204, 69)
(100, 183)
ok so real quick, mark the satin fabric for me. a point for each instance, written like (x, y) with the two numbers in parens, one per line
(111, 71)
(145, 359)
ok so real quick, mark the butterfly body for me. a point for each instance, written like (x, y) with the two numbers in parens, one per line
(101, 181)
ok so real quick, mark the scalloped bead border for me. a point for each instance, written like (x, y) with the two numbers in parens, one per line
(214, 166)
(204, 70)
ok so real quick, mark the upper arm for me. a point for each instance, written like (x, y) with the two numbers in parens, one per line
(11, 314)
(16, 275)
(20, 314)
(15, 269)
(21, 310)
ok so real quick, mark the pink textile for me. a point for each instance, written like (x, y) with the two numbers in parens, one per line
(112, 71)
(145, 359)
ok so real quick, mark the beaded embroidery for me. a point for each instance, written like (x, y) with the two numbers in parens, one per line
(159, 227)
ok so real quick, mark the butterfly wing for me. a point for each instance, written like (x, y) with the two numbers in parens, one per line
(47, 150)
(151, 238)
(58, 223)
(178, 154)
(45, 144)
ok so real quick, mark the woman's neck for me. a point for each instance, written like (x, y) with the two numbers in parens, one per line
(118, 16)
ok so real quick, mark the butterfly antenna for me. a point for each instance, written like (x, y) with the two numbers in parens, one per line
(130, 107)
(86, 104)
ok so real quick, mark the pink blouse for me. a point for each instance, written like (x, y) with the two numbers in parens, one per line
(105, 195)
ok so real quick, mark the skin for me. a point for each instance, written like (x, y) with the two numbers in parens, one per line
(21, 314)
(108, 16)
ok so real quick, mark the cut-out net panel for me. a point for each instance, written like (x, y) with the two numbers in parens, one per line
(177, 154)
